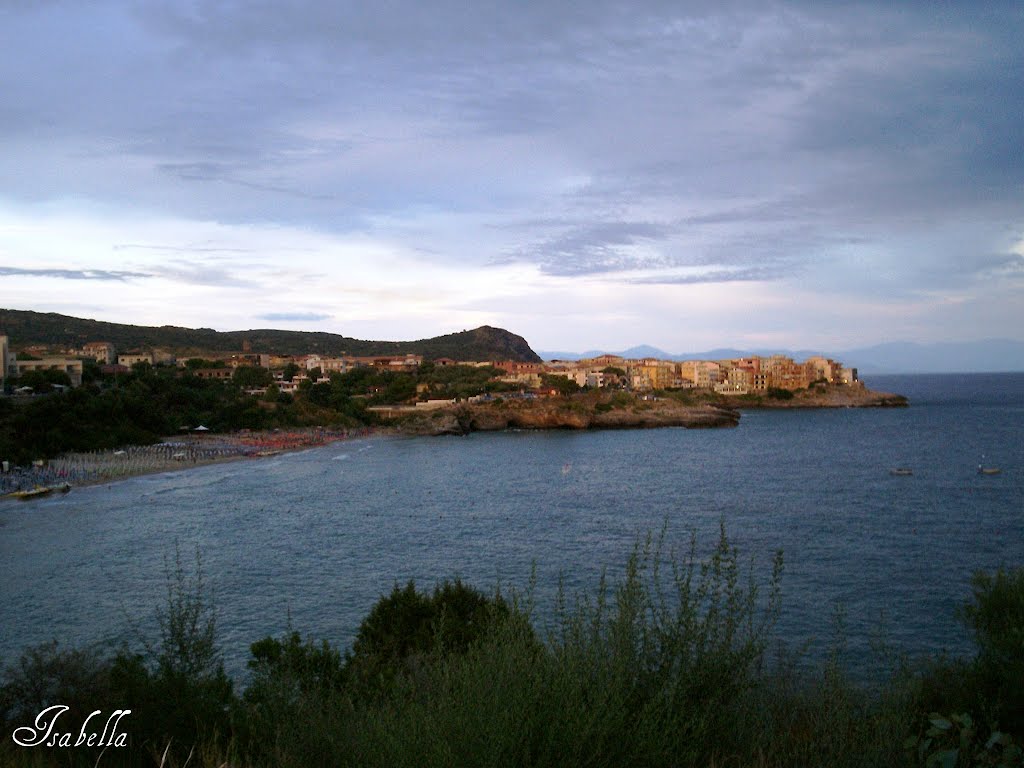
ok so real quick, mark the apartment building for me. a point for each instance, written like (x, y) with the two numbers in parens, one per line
(103, 352)
(134, 358)
(72, 366)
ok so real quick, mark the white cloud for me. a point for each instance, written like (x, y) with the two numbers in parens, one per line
(661, 173)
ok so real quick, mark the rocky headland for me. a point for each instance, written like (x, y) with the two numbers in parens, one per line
(565, 413)
(824, 396)
(689, 409)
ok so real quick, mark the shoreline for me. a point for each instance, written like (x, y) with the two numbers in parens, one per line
(180, 452)
(171, 455)
(600, 411)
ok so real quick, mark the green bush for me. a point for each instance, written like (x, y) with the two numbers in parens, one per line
(995, 614)
(407, 629)
(948, 742)
(178, 691)
(664, 666)
(294, 710)
(47, 674)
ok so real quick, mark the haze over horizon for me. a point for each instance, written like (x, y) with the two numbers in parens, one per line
(688, 176)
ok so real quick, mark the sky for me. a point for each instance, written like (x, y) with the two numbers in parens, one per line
(589, 175)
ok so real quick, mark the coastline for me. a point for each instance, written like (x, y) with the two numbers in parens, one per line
(616, 411)
(586, 412)
(171, 455)
(833, 397)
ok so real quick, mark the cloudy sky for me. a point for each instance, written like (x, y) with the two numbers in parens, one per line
(588, 175)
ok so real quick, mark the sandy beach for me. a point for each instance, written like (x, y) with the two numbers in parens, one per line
(173, 453)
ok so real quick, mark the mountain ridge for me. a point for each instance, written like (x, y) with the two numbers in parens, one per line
(983, 356)
(26, 328)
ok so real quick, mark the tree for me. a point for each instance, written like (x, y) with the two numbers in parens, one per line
(290, 668)
(42, 380)
(996, 616)
(249, 377)
(409, 628)
(561, 384)
(178, 688)
(273, 394)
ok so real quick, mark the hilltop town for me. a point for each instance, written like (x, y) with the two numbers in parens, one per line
(737, 376)
(94, 396)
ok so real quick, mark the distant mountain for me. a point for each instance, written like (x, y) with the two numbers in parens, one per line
(645, 350)
(989, 355)
(30, 328)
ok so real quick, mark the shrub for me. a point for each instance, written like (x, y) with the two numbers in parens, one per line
(955, 741)
(996, 616)
(407, 628)
(647, 673)
(178, 690)
(47, 674)
(294, 711)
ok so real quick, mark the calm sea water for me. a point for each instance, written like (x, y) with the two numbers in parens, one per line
(311, 540)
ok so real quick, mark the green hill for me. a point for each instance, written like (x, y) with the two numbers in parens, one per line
(26, 328)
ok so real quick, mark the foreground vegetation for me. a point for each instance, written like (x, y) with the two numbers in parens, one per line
(667, 667)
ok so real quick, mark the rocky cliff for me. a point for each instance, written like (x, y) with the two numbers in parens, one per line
(564, 413)
(825, 397)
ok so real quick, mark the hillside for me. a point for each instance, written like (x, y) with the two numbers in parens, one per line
(27, 328)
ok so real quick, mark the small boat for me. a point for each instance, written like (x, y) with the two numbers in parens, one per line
(901, 471)
(32, 494)
(988, 470)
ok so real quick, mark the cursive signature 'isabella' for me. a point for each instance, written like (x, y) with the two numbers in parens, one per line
(45, 732)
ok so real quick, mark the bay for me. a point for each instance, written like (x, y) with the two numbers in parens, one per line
(311, 540)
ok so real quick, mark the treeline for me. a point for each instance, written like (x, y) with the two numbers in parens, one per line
(27, 328)
(140, 408)
(150, 403)
(669, 667)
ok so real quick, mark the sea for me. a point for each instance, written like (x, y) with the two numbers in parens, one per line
(876, 564)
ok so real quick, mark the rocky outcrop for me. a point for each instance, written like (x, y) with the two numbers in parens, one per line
(567, 414)
(671, 415)
(625, 411)
(827, 397)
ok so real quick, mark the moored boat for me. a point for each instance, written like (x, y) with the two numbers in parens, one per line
(34, 493)
(40, 490)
